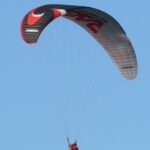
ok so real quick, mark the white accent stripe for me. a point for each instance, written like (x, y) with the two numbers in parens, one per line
(32, 30)
(37, 15)
(62, 11)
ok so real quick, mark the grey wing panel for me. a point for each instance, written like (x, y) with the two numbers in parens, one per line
(110, 35)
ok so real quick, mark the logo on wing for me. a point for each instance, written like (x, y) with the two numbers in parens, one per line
(58, 12)
(33, 18)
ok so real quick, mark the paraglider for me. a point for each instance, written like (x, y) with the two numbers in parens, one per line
(104, 28)
(73, 146)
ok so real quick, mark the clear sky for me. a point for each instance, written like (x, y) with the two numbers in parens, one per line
(66, 85)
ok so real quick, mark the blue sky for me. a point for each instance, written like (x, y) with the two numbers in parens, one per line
(68, 86)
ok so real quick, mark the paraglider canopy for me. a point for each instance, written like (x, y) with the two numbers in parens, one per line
(104, 28)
